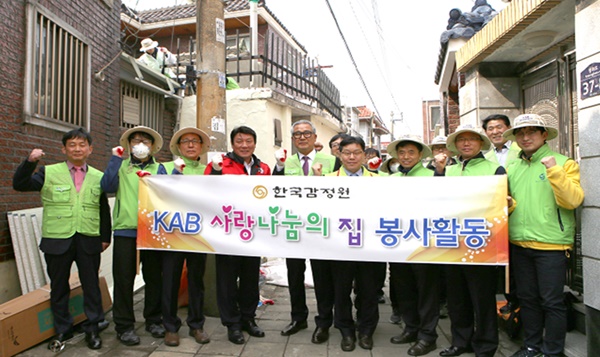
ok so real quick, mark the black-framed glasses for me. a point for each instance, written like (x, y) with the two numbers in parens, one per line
(298, 134)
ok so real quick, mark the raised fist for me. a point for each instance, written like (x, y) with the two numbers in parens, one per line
(317, 169)
(118, 151)
(217, 162)
(179, 164)
(143, 173)
(280, 156)
(35, 155)
(374, 163)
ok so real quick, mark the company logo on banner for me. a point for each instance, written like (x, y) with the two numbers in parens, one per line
(461, 220)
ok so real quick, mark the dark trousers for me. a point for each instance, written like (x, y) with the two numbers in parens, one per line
(472, 307)
(124, 270)
(58, 267)
(324, 291)
(417, 287)
(541, 276)
(295, 274)
(172, 268)
(237, 303)
(366, 287)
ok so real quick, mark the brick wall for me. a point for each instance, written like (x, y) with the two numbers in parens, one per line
(100, 25)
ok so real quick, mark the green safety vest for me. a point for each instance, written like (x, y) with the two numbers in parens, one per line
(417, 170)
(475, 167)
(192, 167)
(537, 217)
(293, 167)
(125, 213)
(67, 211)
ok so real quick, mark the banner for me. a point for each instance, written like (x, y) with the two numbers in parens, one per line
(462, 220)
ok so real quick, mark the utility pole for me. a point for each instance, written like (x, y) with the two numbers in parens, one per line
(211, 107)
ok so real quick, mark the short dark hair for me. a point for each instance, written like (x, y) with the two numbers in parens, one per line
(404, 143)
(76, 133)
(352, 140)
(242, 130)
(502, 117)
(372, 151)
(337, 136)
(142, 134)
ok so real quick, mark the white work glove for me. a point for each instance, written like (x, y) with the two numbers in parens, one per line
(217, 162)
(118, 151)
(281, 156)
(179, 164)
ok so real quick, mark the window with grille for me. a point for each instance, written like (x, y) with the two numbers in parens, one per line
(58, 72)
(141, 107)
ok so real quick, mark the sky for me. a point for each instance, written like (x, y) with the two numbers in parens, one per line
(394, 44)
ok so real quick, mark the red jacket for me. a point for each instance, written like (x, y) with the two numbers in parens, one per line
(234, 165)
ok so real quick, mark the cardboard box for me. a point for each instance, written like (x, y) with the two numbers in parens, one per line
(27, 320)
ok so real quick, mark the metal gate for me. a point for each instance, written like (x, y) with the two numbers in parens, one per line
(551, 91)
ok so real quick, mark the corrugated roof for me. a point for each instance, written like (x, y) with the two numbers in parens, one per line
(189, 11)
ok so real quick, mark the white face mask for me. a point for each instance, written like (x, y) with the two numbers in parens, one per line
(394, 167)
(140, 151)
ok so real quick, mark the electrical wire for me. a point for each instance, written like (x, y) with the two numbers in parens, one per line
(352, 59)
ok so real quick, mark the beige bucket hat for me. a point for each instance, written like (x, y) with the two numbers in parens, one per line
(148, 44)
(525, 120)
(158, 141)
(468, 128)
(174, 144)
(391, 148)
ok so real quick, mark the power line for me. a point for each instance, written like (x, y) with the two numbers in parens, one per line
(352, 59)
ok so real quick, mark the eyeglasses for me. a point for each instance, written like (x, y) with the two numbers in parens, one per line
(188, 141)
(335, 145)
(142, 141)
(352, 153)
(306, 134)
(471, 139)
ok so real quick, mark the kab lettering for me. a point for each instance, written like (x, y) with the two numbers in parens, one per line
(186, 222)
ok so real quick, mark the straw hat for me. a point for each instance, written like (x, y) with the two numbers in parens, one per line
(392, 151)
(174, 144)
(468, 128)
(158, 141)
(148, 44)
(525, 120)
(385, 166)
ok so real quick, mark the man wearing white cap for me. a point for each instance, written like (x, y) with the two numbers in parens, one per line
(545, 189)
(471, 289)
(187, 144)
(438, 146)
(122, 177)
(157, 58)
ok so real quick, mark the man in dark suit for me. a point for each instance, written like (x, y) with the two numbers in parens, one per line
(76, 227)
(307, 162)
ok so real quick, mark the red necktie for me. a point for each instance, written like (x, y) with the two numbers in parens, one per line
(78, 177)
(305, 165)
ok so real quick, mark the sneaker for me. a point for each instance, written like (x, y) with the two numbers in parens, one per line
(395, 319)
(156, 330)
(527, 352)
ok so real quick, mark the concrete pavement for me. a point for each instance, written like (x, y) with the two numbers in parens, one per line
(272, 318)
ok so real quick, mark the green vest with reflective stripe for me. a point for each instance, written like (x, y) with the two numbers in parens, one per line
(125, 213)
(67, 211)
